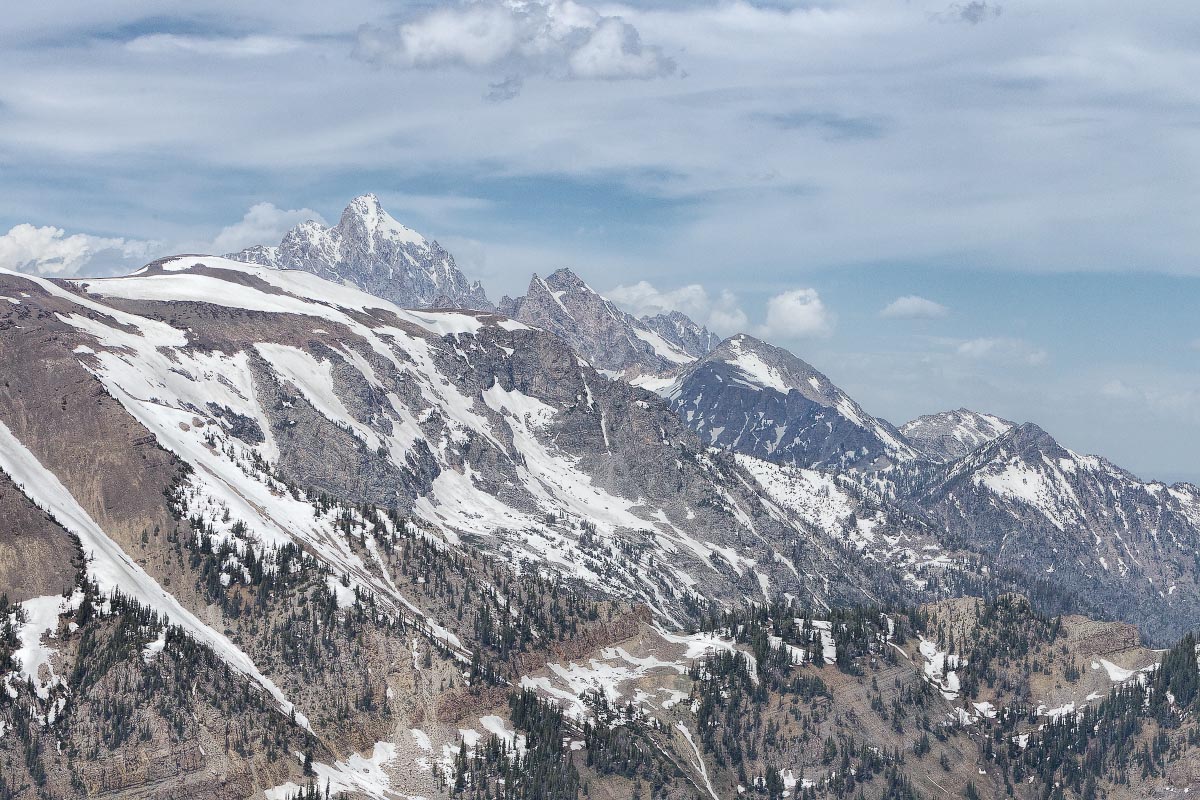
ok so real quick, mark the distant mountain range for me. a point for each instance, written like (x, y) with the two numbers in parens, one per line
(319, 519)
(1007, 491)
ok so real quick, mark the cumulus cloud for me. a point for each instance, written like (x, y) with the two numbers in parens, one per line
(49, 251)
(264, 223)
(614, 50)
(1003, 350)
(221, 47)
(720, 314)
(559, 38)
(911, 306)
(797, 314)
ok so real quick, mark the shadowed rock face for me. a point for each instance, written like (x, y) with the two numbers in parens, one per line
(753, 398)
(37, 557)
(679, 328)
(371, 250)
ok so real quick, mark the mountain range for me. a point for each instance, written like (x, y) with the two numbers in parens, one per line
(319, 519)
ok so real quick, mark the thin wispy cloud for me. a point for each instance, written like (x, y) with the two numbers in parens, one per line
(834, 127)
(223, 47)
(914, 307)
(971, 13)
(1003, 350)
(1174, 402)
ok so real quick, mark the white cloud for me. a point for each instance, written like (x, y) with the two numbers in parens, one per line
(614, 51)
(222, 47)
(559, 38)
(264, 223)
(911, 306)
(727, 318)
(797, 314)
(720, 314)
(1002, 349)
(50, 251)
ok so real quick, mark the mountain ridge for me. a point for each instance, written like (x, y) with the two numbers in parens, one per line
(1127, 544)
(762, 400)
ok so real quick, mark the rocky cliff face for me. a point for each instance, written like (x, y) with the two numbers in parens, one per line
(679, 329)
(950, 435)
(372, 251)
(607, 337)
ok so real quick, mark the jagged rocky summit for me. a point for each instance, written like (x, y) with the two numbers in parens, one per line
(372, 251)
(600, 332)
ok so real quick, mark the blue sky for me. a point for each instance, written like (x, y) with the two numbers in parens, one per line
(1026, 171)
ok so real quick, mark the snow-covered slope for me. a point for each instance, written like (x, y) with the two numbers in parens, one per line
(109, 567)
(371, 250)
(1127, 547)
(754, 398)
(950, 435)
(835, 509)
(492, 433)
(604, 335)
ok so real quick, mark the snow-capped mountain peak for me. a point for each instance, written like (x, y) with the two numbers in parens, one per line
(365, 218)
(950, 435)
(766, 366)
(371, 250)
